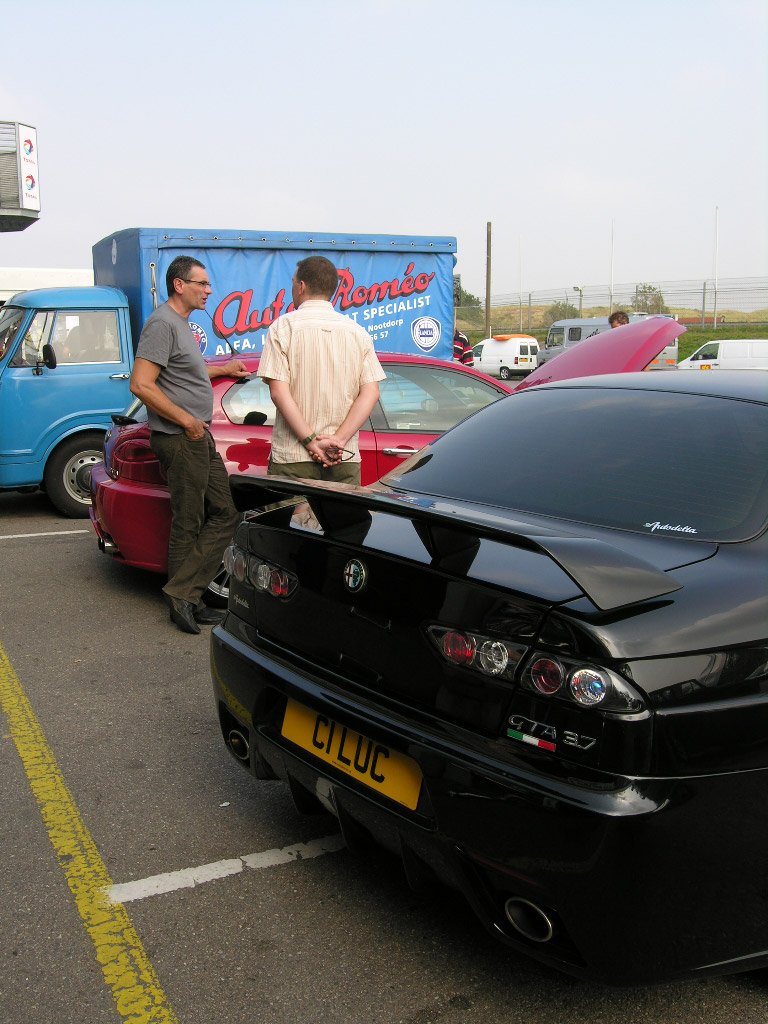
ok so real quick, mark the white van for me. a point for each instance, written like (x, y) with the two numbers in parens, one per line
(564, 334)
(729, 354)
(506, 355)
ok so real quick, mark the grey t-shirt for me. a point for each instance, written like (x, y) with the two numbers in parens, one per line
(168, 341)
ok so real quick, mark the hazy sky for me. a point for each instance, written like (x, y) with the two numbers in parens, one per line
(553, 119)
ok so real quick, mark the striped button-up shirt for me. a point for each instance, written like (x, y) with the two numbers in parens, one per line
(325, 357)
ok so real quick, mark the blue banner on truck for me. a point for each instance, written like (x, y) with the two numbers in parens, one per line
(399, 288)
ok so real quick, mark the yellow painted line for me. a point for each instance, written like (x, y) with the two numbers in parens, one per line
(127, 971)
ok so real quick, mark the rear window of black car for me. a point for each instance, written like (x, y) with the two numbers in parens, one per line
(677, 465)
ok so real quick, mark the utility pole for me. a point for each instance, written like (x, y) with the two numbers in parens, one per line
(714, 311)
(520, 266)
(488, 281)
(610, 287)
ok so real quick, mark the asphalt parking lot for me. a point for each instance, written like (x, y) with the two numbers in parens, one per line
(114, 773)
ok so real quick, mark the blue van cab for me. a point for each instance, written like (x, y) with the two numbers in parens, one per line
(65, 363)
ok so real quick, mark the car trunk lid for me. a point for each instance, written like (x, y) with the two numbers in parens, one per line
(623, 350)
(376, 579)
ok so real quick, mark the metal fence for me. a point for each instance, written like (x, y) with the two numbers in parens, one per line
(729, 301)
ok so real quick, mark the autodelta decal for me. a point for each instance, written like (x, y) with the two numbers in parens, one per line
(200, 336)
(658, 525)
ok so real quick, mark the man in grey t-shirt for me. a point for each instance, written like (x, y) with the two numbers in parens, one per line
(173, 380)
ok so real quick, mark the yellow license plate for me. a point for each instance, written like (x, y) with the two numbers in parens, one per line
(374, 764)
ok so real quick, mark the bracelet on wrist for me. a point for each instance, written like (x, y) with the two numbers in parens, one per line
(308, 440)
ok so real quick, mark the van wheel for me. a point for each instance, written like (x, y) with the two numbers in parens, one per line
(504, 373)
(67, 476)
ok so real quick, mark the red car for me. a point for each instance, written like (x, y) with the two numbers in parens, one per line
(420, 399)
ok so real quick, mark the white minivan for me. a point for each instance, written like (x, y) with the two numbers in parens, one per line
(729, 354)
(506, 355)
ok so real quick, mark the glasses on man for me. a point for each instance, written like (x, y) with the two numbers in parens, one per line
(191, 280)
(346, 454)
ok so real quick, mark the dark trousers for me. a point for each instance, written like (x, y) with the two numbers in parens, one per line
(342, 472)
(203, 513)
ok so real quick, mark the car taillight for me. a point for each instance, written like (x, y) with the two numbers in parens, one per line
(547, 676)
(588, 687)
(134, 460)
(263, 576)
(269, 579)
(572, 681)
(458, 648)
(481, 654)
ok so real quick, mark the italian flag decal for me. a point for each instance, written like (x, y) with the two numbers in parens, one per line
(532, 740)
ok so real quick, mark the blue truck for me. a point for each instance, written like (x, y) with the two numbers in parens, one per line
(66, 354)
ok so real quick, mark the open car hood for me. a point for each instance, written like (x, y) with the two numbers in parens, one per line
(620, 350)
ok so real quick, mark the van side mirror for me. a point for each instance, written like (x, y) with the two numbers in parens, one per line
(48, 359)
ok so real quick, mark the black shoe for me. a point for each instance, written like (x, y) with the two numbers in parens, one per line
(182, 614)
(208, 616)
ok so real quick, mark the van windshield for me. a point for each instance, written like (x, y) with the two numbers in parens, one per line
(10, 321)
(555, 337)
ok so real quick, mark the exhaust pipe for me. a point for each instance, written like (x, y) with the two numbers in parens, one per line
(107, 546)
(528, 919)
(238, 744)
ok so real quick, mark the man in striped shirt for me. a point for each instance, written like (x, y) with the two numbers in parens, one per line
(323, 376)
(462, 350)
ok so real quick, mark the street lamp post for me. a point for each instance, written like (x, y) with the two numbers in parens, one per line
(581, 297)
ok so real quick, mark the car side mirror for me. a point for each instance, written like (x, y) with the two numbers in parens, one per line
(48, 359)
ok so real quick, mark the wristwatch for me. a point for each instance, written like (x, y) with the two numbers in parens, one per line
(308, 440)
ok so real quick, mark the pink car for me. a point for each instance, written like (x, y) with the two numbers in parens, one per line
(420, 399)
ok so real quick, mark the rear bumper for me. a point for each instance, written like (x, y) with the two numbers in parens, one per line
(642, 879)
(132, 521)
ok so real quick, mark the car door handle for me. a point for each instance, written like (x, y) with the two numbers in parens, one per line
(400, 451)
(119, 376)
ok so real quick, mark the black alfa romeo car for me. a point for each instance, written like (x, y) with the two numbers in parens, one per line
(533, 662)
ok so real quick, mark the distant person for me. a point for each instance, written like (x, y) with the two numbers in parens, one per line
(323, 374)
(618, 319)
(173, 380)
(462, 350)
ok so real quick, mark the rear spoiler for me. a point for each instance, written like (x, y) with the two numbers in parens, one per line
(610, 577)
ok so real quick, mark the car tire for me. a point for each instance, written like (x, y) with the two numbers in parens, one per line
(217, 594)
(67, 477)
(504, 373)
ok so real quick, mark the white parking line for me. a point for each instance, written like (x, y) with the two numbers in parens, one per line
(50, 533)
(188, 878)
